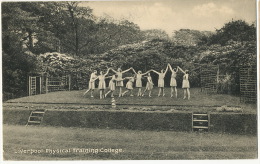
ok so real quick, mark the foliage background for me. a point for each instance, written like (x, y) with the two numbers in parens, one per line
(63, 38)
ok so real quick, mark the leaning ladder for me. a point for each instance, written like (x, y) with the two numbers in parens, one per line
(200, 122)
(36, 117)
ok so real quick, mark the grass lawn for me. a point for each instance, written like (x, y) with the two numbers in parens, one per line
(197, 99)
(134, 144)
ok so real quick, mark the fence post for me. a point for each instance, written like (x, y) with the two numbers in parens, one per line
(46, 84)
(40, 84)
(217, 86)
(29, 85)
(69, 82)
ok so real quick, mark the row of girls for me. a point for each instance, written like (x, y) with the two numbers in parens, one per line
(117, 81)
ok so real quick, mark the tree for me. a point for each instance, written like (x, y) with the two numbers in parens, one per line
(146, 55)
(187, 37)
(77, 16)
(155, 34)
(111, 34)
(238, 30)
(18, 27)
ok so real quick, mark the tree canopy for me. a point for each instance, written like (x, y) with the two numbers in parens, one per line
(237, 30)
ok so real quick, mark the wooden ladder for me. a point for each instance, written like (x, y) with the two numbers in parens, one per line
(200, 122)
(36, 117)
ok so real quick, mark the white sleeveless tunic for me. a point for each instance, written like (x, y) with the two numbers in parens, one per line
(161, 80)
(119, 79)
(185, 82)
(91, 84)
(173, 82)
(102, 83)
(138, 80)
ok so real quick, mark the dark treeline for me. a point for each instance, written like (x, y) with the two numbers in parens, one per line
(63, 27)
(33, 31)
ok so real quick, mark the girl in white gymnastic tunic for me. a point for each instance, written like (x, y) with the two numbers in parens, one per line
(91, 84)
(138, 83)
(185, 84)
(111, 85)
(102, 84)
(149, 85)
(161, 81)
(173, 82)
(129, 86)
(119, 79)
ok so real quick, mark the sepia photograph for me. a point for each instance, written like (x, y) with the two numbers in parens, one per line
(129, 80)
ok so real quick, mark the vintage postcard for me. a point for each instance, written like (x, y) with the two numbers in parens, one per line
(129, 80)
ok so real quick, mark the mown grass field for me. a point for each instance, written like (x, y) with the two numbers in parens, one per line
(198, 98)
(134, 144)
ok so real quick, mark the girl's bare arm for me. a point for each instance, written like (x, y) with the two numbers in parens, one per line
(113, 70)
(155, 71)
(180, 69)
(126, 70)
(146, 72)
(166, 70)
(134, 70)
(177, 69)
(109, 77)
(170, 67)
(107, 71)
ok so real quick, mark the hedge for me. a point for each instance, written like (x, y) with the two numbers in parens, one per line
(219, 122)
(16, 117)
(119, 120)
(233, 123)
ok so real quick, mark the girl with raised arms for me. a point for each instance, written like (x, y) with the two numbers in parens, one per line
(149, 85)
(102, 83)
(119, 79)
(185, 84)
(138, 83)
(111, 85)
(91, 84)
(129, 86)
(161, 80)
(173, 82)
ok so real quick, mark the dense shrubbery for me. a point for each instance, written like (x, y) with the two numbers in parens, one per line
(148, 55)
(37, 35)
(33, 28)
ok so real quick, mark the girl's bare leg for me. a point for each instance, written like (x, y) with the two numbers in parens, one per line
(150, 92)
(103, 94)
(163, 92)
(184, 94)
(125, 92)
(112, 93)
(120, 91)
(159, 94)
(139, 92)
(107, 93)
(171, 91)
(131, 92)
(175, 92)
(91, 93)
(144, 92)
(100, 94)
(188, 93)
(86, 92)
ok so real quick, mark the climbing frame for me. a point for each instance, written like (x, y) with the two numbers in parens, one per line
(208, 78)
(248, 84)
